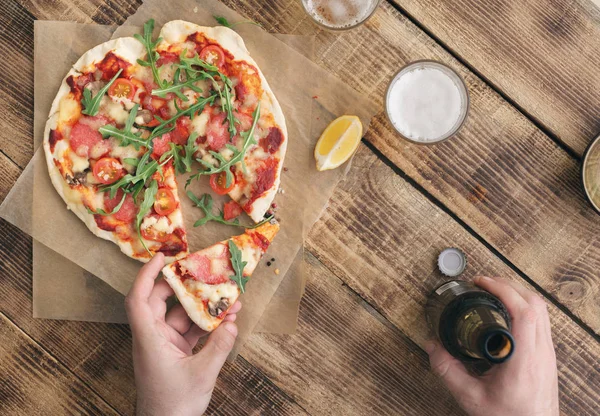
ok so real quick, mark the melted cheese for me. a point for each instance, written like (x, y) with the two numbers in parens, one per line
(60, 148)
(213, 293)
(161, 224)
(199, 123)
(79, 163)
(123, 152)
(69, 110)
(114, 110)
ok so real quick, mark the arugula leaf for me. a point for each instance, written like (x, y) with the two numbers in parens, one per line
(224, 22)
(205, 203)
(100, 211)
(125, 136)
(238, 266)
(176, 87)
(91, 106)
(238, 156)
(131, 161)
(150, 46)
(136, 181)
(167, 125)
(145, 206)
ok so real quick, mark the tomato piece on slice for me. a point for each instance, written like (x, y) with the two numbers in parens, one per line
(151, 232)
(128, 210)
(182, 130)
(160, 145)
(214, 55)
(122, 88)
(165, 202)
(83, 138)
(218, 183)
(217, 134)
(108, 170)
(231, 210)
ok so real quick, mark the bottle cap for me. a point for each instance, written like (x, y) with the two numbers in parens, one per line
(452, 262)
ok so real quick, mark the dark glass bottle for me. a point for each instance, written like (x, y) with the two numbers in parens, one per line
(472, 324)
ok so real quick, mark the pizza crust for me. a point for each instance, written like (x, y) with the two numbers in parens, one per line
(177, 31)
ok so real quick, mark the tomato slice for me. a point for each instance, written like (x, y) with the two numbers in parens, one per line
(165, 202)
(218, 183)
(122, 88)
(231, 210)
(108, 170)
(150, 233)
(214, 55)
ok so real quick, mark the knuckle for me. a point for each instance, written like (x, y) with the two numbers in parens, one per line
(537, 302)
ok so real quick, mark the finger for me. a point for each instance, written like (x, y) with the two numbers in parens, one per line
(193, 335)
(452, 371)
(144, 282)
(218, 346)
(158, 298)
(230, 317)
(525, 293)
(513, 301)
(178, 319)
(237, 306)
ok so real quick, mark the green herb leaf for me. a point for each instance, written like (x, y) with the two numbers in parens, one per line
(224, 22)
(131, 161)
(166, 126)
(238, 156)
(150, 46)
(91, 106)
(125, 136)
(238, 266)
(176, 87)
(205, 203)
(145, 206)
(114, 211)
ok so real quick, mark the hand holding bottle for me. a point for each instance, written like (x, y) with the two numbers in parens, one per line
(527, 384)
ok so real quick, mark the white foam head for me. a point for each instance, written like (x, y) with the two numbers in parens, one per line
(427, 102)
(340, 14)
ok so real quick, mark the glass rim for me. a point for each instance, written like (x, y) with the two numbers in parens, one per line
(342, 29)
(462, 84)
(586, 157)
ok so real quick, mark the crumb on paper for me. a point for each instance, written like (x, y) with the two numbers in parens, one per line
(276, 271)
(315, 97)
(285, 169)
(196, 9)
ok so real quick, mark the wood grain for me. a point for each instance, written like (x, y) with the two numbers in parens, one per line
(382, 239)
(543, 54)
(508, 181)
(34, 383)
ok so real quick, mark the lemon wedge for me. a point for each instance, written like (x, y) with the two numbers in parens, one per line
(338, 142)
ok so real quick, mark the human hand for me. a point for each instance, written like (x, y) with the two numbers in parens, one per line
(527, 384)
(170, 380)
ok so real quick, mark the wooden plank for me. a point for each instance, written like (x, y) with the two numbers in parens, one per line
(16, 91)
(543, 54)
(34, 383)
(502, 176)
(82, 11)
(100, 354)
(382, 239)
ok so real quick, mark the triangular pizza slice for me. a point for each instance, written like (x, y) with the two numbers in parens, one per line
(208, 282)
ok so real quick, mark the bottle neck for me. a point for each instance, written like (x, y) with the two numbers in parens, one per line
(482, 333)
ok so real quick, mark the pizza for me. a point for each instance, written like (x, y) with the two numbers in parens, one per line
(208, 282)
(134, 113)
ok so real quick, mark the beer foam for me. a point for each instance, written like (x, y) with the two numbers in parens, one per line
(340, 14)
(425, 104)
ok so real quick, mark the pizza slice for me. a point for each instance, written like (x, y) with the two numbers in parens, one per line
(208, 282)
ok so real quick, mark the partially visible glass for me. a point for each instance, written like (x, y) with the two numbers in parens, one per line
(340, 14)
(590, 173)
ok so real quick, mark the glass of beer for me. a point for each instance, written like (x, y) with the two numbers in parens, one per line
(340, 14)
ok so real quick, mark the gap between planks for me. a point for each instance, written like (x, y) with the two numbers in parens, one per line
(41, 347)
(479, 238)
(537, 123)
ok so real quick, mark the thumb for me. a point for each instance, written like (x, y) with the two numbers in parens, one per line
(218, 346)
(452, 371)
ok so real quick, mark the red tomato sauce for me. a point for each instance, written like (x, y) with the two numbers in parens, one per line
(265, 178)
(110, 65)
(54, 137)
(273, 141)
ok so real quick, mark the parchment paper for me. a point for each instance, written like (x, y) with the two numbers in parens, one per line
(295, 81)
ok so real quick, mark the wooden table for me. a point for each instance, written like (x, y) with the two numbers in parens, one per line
(506, 191)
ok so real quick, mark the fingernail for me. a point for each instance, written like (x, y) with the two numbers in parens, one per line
(429, 347)
(231, 328)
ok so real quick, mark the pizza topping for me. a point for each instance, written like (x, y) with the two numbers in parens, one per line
(167, 58)
(100, 149)
(265, 179)
(216, 132)
(165, 202)
(121, 89)
(91, 104)
(260, 240)
(214, 55)
(218, 309)
(54, 137)
(160, 145)
(126, 212)
(199, 267)
(108, 170)
(231, 210)
(182, 130)
(273, 141)
(111, 66)
(238, 266)
(218, 183)
(83, 138)
(156, 228)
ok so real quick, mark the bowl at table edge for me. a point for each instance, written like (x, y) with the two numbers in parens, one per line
(590, 173)
(460, 83)
(345, 28)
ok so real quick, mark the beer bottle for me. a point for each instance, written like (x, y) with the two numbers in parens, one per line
(472, 324)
